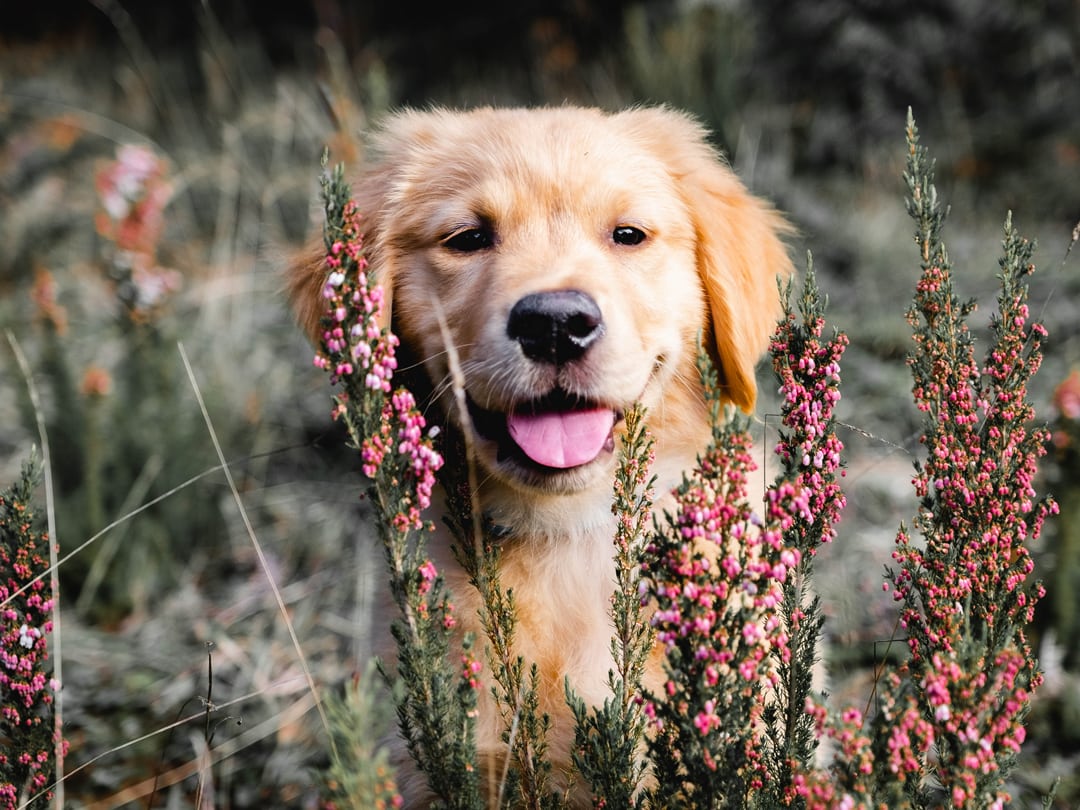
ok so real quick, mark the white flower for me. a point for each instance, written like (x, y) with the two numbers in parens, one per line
(28, 635)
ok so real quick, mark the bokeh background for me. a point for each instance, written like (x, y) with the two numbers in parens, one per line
(167, 612)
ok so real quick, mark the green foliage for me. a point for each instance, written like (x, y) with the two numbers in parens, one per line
(359, 776)
(609, 738)
(1001, 71)
(692, 58)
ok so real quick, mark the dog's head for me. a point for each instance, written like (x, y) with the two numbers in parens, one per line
(572, 258)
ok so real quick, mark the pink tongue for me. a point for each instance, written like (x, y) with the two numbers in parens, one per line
(562, 439)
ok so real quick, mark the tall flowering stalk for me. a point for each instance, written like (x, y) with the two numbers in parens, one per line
(949, 722)
(734, 606)
(806, 362)
(964, 596)
(716, 572)
(435, 695)
(27, 744)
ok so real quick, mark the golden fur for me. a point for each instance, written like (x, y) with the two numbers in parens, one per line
(548, 188)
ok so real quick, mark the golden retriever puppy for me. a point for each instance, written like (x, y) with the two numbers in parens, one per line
(577, 256)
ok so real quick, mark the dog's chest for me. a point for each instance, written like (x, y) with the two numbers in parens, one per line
(561, 590)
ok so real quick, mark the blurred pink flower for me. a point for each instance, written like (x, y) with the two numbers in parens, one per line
(1067, 396)
(134, 191)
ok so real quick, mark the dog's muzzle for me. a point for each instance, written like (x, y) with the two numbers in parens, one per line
(556, 431)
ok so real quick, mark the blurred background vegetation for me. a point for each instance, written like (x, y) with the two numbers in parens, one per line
(238, 100)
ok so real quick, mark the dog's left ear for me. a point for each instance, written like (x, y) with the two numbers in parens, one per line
(740, 254)
(373, 186)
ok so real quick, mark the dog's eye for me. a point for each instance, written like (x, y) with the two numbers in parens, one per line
(627, 235)
(470, 239)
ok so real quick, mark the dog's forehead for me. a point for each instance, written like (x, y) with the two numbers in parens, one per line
(522, 133)
(482, 159)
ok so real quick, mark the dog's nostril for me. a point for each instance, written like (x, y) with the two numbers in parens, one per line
(556, 327)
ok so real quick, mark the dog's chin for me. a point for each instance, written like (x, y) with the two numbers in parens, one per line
(557, 444)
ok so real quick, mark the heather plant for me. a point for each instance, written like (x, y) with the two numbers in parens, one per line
(360, 776)
(731, 586)
(515, 680)
(965, 598)
(134, 190)
(715, 572)
(435, 697)
(609, 738)
(948, 723)
(807, 364)
(28, 742)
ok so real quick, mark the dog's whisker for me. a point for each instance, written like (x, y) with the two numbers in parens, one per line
(424, 362)
(442, 388)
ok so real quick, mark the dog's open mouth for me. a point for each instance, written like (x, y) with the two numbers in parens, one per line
(557, 432)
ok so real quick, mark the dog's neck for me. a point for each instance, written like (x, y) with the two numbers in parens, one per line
(546, 516)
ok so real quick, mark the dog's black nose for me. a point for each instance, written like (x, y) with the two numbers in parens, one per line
(555, 327)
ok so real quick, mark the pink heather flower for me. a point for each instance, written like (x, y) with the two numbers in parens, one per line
(427, 571)
(716, 579)
(428, 574)
(471, 669)
(356, 347)
(152, 285)
(133, 193)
